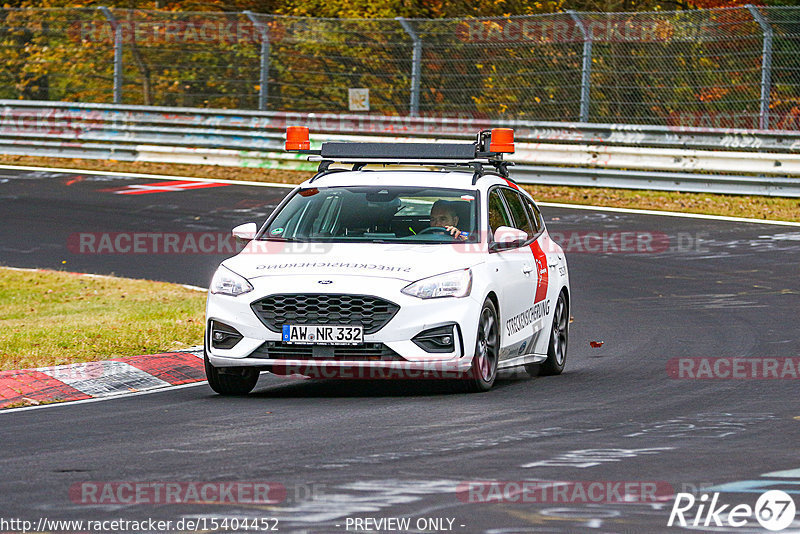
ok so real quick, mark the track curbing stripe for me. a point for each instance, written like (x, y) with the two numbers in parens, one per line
(145, 175)
(105, 378)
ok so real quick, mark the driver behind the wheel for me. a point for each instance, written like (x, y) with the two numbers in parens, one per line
(443, 215)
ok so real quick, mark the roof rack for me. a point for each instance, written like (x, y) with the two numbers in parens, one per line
(486, 150)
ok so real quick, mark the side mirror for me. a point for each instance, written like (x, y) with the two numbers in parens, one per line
(245, 232)
(506, 238)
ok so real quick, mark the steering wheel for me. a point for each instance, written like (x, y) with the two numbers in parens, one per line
(434, 230)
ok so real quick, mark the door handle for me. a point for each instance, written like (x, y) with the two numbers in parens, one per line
(527, 269)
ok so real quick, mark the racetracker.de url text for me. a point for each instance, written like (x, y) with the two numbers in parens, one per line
(200, 524)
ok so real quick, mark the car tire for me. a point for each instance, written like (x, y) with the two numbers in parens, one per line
(483, 372)
(240, 381)
(559, 335)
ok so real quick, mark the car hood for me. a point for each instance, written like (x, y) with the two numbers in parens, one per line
(398, 261)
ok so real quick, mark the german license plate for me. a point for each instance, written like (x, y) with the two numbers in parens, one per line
(312, 334)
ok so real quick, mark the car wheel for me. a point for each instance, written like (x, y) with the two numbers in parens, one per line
(487, 348)
(239, 381)
(559, 334)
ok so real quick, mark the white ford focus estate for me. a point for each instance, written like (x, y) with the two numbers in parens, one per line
(396, 259)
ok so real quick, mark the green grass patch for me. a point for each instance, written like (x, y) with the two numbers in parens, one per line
(53, 318)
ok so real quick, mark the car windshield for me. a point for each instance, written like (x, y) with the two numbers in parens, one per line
(377, 214)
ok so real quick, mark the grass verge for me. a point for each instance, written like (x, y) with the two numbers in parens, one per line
(755, 207)
(53, 318)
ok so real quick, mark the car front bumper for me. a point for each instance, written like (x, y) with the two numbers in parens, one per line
(414, 316)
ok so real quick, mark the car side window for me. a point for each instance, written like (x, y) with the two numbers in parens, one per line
(498, 215)
(518, 211)
(534, 214)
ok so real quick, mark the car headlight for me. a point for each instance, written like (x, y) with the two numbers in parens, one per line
(227, 282)
(452, 284)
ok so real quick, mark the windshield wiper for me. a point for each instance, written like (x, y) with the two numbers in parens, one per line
(283, 239)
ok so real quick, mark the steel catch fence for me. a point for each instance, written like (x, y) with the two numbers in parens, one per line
(717, 68)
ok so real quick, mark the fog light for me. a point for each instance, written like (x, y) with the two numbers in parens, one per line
(439, 339)
(223, 336)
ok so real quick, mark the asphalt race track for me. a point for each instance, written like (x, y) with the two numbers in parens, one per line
(337, 451)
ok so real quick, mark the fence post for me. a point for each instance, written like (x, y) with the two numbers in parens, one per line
(416, 65)
(586, 66)
(117, 53)
(264, 68)
(766, 66)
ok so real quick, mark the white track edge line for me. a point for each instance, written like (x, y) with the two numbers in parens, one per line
(289, 186)
(144, 175)
(669, 214)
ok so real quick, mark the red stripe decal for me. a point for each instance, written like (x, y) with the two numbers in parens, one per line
(511, 184)
(542, 274)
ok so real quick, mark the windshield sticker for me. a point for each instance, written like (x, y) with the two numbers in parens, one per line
(467, 197)
(335, 264)
(276, 231)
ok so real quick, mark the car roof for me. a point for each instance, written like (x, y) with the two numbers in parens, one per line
(448, 179)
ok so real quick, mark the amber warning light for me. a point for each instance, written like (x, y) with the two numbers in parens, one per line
(297, 138)
(502, 140)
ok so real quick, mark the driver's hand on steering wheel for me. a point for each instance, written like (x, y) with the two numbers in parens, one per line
(456, 233)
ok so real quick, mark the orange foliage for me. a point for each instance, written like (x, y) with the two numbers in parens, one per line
(709, 94)
(709, 4)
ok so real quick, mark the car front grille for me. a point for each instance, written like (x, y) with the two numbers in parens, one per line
(275, 350)
(325, 309)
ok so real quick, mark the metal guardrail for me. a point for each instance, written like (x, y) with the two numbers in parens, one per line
(610, 155)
